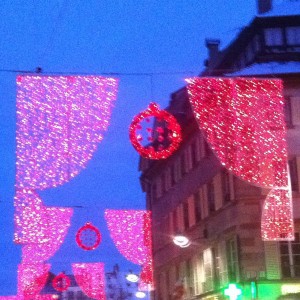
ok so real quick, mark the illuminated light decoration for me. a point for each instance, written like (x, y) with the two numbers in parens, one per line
(163, 139)
(233, 292)
(91, 279)
(61, 282)
(43, 228)
(131, 232)
(88, 237)
(31, 279)
(243, 121)
(37, 297)
(60, 121)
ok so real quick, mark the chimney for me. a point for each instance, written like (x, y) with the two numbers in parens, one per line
(213, 49)
(264, 6)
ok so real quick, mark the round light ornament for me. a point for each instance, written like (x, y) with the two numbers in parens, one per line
(88, 237)
(61, 282)
(157, 139)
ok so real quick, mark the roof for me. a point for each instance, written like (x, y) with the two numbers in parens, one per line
(270, 68)
(285, 8)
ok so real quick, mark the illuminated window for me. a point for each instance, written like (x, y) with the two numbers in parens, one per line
(232, 259)
(208, 270)
(290, 258)
(198, 274)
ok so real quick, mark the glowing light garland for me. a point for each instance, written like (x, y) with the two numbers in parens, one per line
(131, 233)
(165, 138)
(244, 123)
(91, 279)
(88, 237)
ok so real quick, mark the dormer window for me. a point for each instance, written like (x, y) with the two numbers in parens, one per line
(273, 36)
(293, 35)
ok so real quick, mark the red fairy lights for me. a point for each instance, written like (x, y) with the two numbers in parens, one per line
(163, 139)
(91, 279)
(60, 122)
(131, 232)
(88, 237)
(243, 121)
(61, 282)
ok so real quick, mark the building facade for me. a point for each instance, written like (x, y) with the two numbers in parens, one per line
(192, 194)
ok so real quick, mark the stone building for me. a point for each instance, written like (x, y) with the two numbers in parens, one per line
(192, 194)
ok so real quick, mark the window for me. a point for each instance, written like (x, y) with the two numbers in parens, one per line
(195, 153)
(175, 221)
(198, 274)
(294, 174)
(232, 259)
(293, 35)
(273, 37)
(290, 258)
(197, 205)
(288, 112)
(186, 215)
(211, 196)
(208, 269)
(182, 165)
(225, 186)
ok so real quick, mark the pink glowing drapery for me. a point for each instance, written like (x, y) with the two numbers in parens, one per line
(31, 279)
(131, 233)
(60, 122)
(243, 121)
(91, 279)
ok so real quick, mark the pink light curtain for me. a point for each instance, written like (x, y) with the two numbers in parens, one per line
(31, 279)
(60, 122)
(243, 121)
(91, 279)
(131, 232)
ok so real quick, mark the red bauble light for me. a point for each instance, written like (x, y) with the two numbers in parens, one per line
(88, 237)
(61, 282)
(161, 146)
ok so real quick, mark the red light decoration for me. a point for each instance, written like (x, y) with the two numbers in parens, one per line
(163, 140)
(243, 121)
(131, 232)
(88, 237)
(60, 122)
(61, 282)
(31, 279)
(91, 279)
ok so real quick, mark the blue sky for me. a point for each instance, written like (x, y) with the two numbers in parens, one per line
(96, 37)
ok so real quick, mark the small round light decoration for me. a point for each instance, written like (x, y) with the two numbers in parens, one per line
(162, 139)
(88, 237)
(61, 282)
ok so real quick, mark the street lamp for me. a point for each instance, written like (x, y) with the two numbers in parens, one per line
(140, 294)
(132, 277)
(184, 241)
(181, 240)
